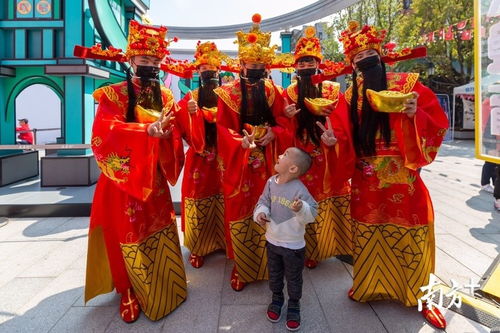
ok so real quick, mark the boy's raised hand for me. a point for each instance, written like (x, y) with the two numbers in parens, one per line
(262, 219)
(296, 204)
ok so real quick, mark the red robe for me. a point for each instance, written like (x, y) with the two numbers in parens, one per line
(244, 176)
(202, 199)
(133, 239)
(327, 179)
(391, 208)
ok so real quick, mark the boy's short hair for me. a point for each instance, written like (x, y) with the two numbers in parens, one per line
(302, 160)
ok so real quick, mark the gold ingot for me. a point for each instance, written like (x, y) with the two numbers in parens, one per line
(318, 105)
(388, 100)
(146, 116)
(260, 130)
(209, 114)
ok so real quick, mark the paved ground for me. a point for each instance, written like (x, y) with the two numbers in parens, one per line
(43, 263)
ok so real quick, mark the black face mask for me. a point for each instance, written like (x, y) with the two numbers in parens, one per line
(368, 63)
(209, 76)
(306, 72)
(254, 75)
(148, 72)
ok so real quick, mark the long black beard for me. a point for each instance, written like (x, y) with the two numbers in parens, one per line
(207, 98)
(206, 95)
(260, 113)
(149, 96)
(306, 120)
(365, 131)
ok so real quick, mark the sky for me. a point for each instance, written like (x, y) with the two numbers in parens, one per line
(216, 13)
(40, 115)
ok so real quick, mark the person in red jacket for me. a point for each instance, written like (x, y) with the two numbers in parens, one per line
(24, 138)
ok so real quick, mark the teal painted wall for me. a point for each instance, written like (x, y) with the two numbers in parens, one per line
(49, 41)
(286, 47)
(73, 23)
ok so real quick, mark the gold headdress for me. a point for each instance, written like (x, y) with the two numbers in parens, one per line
(308, 45)
(254, 45)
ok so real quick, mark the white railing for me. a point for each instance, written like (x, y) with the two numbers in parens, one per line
(35, 130)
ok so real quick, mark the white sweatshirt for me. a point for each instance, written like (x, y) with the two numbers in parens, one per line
(287, 228)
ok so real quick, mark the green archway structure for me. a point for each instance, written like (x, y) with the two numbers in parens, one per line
(14, 86)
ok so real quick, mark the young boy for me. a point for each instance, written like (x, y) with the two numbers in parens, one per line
(286, 207)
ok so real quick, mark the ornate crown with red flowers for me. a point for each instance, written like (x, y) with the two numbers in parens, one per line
(356, 40)
(143, 40)
(147, 40)
(254, 45)
(308, 45)
(208, 54)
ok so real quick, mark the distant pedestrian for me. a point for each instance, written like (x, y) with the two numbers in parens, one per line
(25, 136)
(496, 192)
(488, 173)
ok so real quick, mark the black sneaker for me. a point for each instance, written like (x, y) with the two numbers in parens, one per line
(293, 316)
(274, 309)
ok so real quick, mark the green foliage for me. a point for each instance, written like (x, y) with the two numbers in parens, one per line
(453, 60)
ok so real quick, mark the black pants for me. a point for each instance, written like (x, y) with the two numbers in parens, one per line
(488, 172)
(283, 262)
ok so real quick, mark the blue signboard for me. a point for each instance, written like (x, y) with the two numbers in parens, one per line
(444, 101)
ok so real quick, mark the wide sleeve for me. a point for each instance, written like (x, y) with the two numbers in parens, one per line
(283, 137)
(171, 156)
(340, 159)
(234, 156)
(419, 138)
(124, 151)
(191, 126)
(288, 124)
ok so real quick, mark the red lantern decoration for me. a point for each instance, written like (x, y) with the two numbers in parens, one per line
(449, 33)
(466, 35)
(461, 25)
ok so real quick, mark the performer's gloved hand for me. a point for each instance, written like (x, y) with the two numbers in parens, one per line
(328, 137)
(248, 140)
(262, 219)
(411, 106)
(162, 128)
(267, 138)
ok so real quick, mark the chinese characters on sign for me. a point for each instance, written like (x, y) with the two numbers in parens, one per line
(431, 292)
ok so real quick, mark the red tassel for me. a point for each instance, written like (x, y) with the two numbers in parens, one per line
(466, 35)
(462, 25)
(449, 34)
